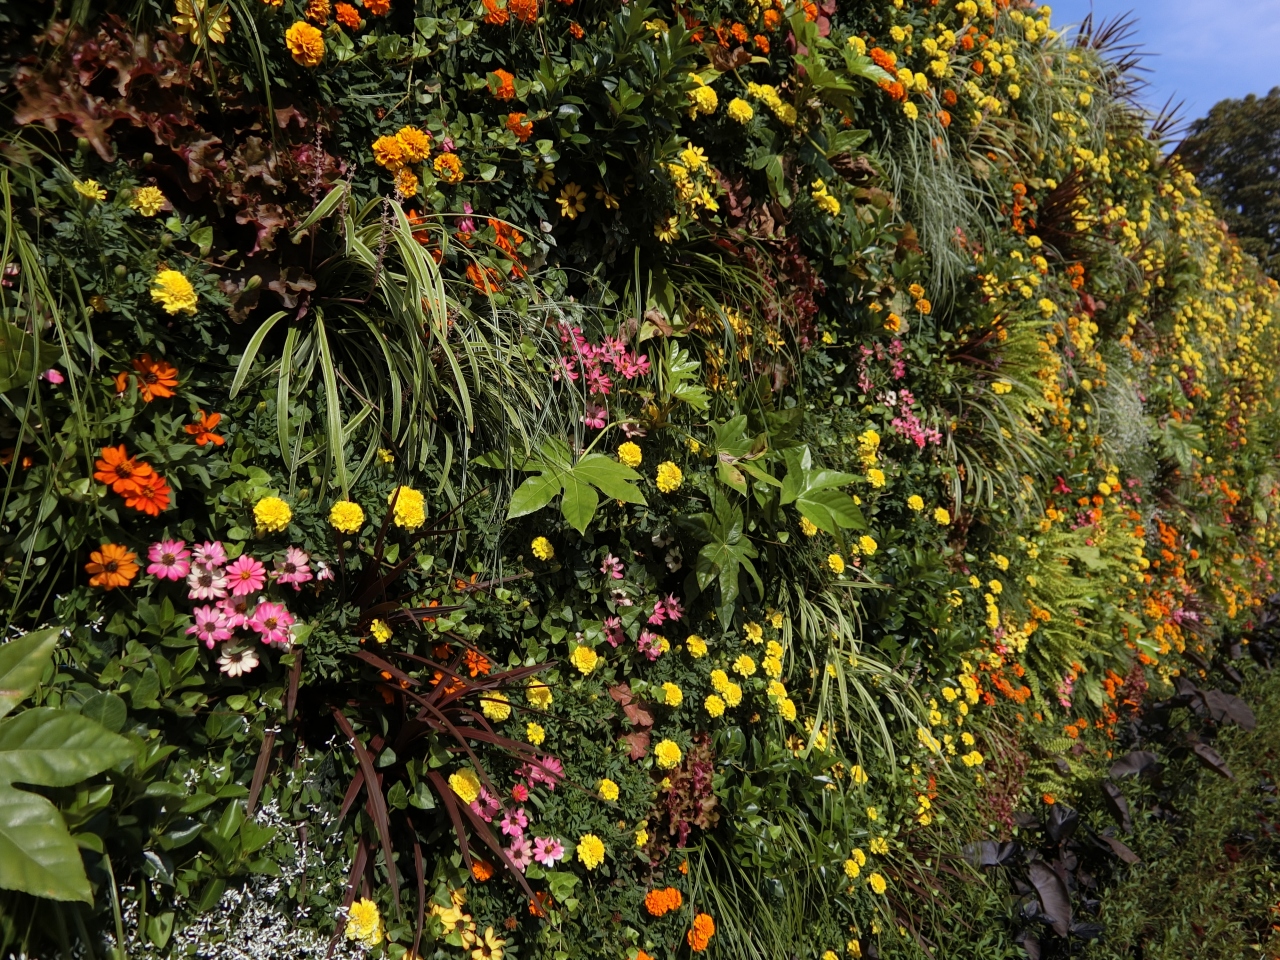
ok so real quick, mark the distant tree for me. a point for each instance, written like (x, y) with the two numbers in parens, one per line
(1235, 153)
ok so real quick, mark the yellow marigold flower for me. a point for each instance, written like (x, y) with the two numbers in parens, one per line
(346, 516)
(941, 516)
(1001, 561)
(858, 46)
(669, 477)
(410, 510)
(495, 705)
(584, 658)
(787, 709)
(696, 646)
(754, 632)
(415, 144)
(388, 152)
(872, 813)
(386, 456)
(879, 846)
(911, 110)
(305, 43)
(877, 883)
(1001, 387)
(851, 869)
(867, 545)
(590, 850)
(195, 19)
(148, 201)
(539, 694)
(732, 694)
(381, 630)
(858, 855)
(672, 695)
(465, 784)
(607, 789)
(704, 100)
(642, 837)
(629, 454)
(714, 705)
(744, 666)
(364, 923)
(739, 110)
(535, 733)
(876, 476)
(448, 167)
(772, 666)
(542, 548)
(693, 157)
(667, 753)
(996, 587)
(915, 502)
(835, 562)
(406, 182)
(719, 680)
(807, 527)
(949, 694)
(272, 514)
(1047, 306)
(174, 292)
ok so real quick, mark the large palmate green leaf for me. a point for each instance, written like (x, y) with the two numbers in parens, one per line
(43, 747)
(726, 553)
(577, 483)
(817, 494)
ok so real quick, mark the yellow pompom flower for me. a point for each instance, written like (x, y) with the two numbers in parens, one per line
(696, 646)
(346, 516)
(667, 753)
(740, 111)
(719, 680)
(876, 477)
(732, 694)
(272, 514)
(941, 516)
(787, 709)
(89, 189)
(542, 548)
(851, 869)
(879, 846)
(305, 43)
(410, 510)
(381, 630)
(642, 837)
(835, 562)
(714, 705)
(744, 666)
(148, 201)
(877, 882)
(629, 454)
(669, 477)
(672, 695)
(607, 789)
(584, 658)
(915, 502)
(867, 545)
(495, 705)
(465, 784)
(539, 694)
(535, 733)
(174, 292)
(857, 774)
(364, 923)
(808, 527)
(590, 850)
(415, 144)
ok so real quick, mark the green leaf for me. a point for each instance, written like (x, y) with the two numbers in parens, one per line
(610, 477)
(532, 495)
(107, 709)
(37, 854)
(22, 356)
(56, 748)
(22, 664)
(579, 504)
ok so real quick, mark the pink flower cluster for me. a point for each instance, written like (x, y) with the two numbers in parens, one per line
(906, 423)
(588, 362)
(897, 365)
(524, 850)
(650, 644)
(664, 610)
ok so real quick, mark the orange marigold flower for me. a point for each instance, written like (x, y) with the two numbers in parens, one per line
(660, 902)
(979, 67)
(156, 378)
(771, 20)
(495, 13)
(318, 11)
(704, 929)
(810, 11)
(448, 167)
(150, 496)
(1049, 799)
(415, 144)
(482, 870)
(348, 16)
(377, 8)
(944, 117)
(526, 11)
(762, 43)
(884, 59)
(895, 89)
(120, 471)
(111, 566)
(517, 125)
(739, 32)
(506, 88)
(388, 152)
(949, 97)
(406, 182)
(576, 31)
(203, 430)
(305, 43)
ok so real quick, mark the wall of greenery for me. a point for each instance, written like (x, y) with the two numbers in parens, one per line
(571, 479)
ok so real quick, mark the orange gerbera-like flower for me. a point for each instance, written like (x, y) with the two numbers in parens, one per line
(111, 566)
(495, 13)
(149, 496)
(517, 125)
(203, 430)
(486, 280)
(506, 237)
(660, 902)
(704, 929)
(526, 11)
(348, 16)
(506, 89)
(122, 382)
(377, 8)
(120, 471)
(156, 378)
(476, 663)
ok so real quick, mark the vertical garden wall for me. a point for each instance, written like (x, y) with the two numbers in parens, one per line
(586, 479)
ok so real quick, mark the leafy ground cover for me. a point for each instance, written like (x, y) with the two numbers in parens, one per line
(610, 480)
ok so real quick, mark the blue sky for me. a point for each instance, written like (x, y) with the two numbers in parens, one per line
(1200, 51)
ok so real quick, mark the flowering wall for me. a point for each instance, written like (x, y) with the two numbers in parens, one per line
(578, 479)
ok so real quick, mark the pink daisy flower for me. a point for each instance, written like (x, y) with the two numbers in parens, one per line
(271, 621)
(169, 560)
(206, 583)
(486, 806)
(238, 611)
(547, 850)
(613, 630)
(650, 644)
(611, 566)
(210, 625)
(246, 576)
(294, 568)
(521, 853)
(514, 822)
(211, 553)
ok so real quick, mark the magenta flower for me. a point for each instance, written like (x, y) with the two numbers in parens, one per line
(206, 583)
(545, 770)
(520, 793)
(514, 822)
(169, 560)
(271, 621)
(53, 376)
(547, 850)
(674, 609)
(659, 615)
(211, 553)
(595, 416)
(486, 806)
(611, 566)
(246, 576)
(238, 611)
(613, 630)
(650, 644)
(521, 853)
(294, 568)
(210, 625)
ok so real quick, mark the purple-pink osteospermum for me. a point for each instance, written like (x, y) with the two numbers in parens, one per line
(295, 568)
(246, 576)
(271, 621)
(169, 560)
(210, 625)
(206, 583)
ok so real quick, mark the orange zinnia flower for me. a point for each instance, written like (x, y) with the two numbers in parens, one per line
(120, 471)
(150, 496)
(111, 566)
(203, 431)
(476, 663)
(487, 280)
(122, 382)
(495, 14)
(526, 11)
(156, 378)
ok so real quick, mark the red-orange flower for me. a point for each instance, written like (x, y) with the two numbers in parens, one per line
(771, 20)
(377, 8)
(506, 85)
(517, 125)
(810, 10)
(495, 13)
(476, 663)
(156, 378)
(111, 566)
(482, 870)
(150, 495)
(486, 280)
(526, 11)
(541, 901)
(122, 382)
(121, 472)
(762, 43)
(576, 31)
(203, 431)
(660, 902)
(348, 16)
(704, 929)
